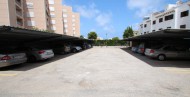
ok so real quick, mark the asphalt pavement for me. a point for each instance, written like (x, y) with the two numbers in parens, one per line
(98, 72)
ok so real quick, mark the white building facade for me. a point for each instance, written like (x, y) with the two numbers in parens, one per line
(175, 16)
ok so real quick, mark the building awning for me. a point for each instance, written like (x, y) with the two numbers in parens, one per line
(173, 34)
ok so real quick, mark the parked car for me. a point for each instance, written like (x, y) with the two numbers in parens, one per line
(134, 49)
(10, 56)
(37, 53)
(62, 49)
(89, 45)
(141, 48)
(164, 52)
(75, 49)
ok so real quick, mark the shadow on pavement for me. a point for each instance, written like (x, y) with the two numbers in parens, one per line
(180, 63)
(29, 66)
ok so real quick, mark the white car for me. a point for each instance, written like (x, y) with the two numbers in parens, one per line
(9, 56)
(36, 53)
(163, 52)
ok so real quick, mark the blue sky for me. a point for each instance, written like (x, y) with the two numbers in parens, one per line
(113, 16)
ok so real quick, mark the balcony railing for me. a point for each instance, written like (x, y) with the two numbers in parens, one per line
(19, 23)
(19, 13)
(18, 2)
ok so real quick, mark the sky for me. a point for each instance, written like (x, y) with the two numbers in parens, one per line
(113, 16)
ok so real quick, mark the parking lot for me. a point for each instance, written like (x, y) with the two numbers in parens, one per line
(97, 72)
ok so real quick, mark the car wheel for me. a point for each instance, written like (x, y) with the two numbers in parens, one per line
(74, 50)
(161, 57)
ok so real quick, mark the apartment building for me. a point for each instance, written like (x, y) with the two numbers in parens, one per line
(37, 14)
(25, 14)
(55, 7)
(12, 13)
(71, 22)
(175, 16)
(40, 14)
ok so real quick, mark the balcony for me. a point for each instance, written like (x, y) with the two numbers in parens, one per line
(18, 2)
(19, 22)
(19, 12)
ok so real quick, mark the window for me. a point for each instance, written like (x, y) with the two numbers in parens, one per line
(73, 20)
(160, 29)
(141, 26)
(185, 13)
(73, 24)
(65, 21)
(64, 15)
(65, 26)
(66, 30)
(145, 25)
(31, 23)
(30, 14)
(169, 17)
(154, 22)
(182, 26)
(153, 30)
(51, 1)
(29, 5)
(160, 20)
(169, 27)
(52, 8)
(144, 32)
(52, 15)
(74, 28)
(64, 10)
(53, 28)
(73, 16)
(52, 21)
(170, 48)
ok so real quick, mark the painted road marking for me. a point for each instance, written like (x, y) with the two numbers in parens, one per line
(8, 75)
(178, 70)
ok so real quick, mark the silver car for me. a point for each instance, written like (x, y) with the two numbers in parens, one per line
(9, 56)
(75, 49)
(37, 53)
(163, 52)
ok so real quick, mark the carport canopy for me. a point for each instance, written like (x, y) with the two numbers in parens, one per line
(175, 34)
(19, 35)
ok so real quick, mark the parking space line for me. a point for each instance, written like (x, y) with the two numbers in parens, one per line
(178, 70)
(8, 75)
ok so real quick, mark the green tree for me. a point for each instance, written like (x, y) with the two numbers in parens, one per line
(92, 35)
(115, 38)
(81, 36)
(128, 32)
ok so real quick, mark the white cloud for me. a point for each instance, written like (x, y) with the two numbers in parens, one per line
(109, 28)
(145, 7)
(103, 19)
(135, 26)
(88, 11)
